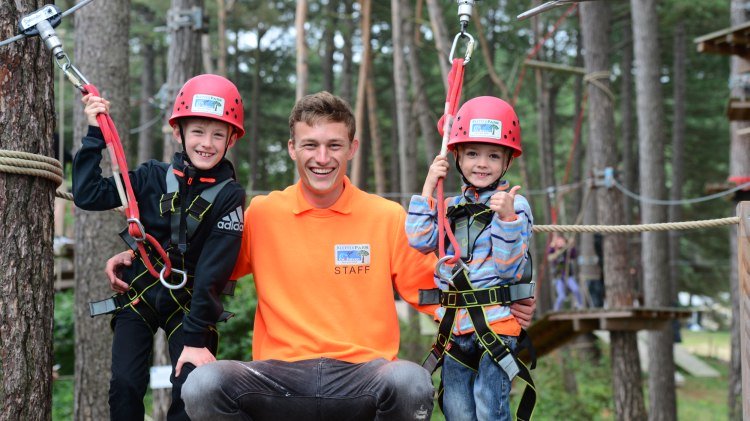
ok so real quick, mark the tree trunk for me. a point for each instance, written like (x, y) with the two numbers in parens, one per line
(422, 106)
(26, 209)
(357, 173)
(299, 25)
(406, 144)
(326, 62)
(739, 171)
(626, 378)
(102, 54)
(161, 398)
(378, 157)
(221, 22)
(255, 115)
(678, 155)
(488, 56)
(146, 114)
(183, 62)
(629, 163)
(650, 111)
(442, 42)
(346, 51)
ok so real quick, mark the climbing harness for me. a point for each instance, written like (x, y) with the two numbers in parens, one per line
(41, 23)
(468, 221)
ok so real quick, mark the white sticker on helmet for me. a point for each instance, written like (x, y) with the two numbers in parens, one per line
(485, 127)
(208, 104)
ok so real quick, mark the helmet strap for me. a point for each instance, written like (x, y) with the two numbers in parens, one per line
(185, 156)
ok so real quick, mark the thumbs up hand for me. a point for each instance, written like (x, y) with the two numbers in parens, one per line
(502, 204)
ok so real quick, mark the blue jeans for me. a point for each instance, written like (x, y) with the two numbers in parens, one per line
(472, 395)
(322, 389)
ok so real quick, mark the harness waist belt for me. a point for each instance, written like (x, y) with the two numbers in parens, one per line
(501, 295)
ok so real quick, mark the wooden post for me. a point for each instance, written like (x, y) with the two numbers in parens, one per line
(743, 266)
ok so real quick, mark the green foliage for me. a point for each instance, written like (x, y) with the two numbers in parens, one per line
(62, 399)
(236, 334)
(64, 345)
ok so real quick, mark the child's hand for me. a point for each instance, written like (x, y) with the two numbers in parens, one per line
(502, 203)
(438, 170)
(94, 106)
(195, 356)
(114, 267)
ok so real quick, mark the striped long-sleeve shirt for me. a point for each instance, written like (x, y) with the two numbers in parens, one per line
(498, 256)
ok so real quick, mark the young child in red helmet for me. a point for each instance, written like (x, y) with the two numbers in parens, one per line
(194, 207)
(492, 224)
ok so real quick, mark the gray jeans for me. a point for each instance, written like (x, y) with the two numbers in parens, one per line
(320, 389)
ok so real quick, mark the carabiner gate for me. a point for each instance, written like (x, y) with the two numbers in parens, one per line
(469, 47)
(440, 263)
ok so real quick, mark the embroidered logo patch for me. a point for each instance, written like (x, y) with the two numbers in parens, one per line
(208, 104)
(233, 221)
(485, 127)
(352, 254)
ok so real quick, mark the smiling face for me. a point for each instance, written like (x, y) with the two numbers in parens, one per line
(321, 153)
(206, 141)
(482, 163)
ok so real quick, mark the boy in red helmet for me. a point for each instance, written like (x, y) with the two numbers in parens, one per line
(194, 208)
(492, 224)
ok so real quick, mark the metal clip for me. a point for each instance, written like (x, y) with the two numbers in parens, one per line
(72, 73)
(173, 286)
(439, 268)
(142, 238)
(469, 47)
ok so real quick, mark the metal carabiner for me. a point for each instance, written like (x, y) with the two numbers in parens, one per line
(142, 238)
(441, 262)
(173, 286)
(469, 47)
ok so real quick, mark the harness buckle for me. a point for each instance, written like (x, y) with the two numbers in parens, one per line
(441, 262)
(141, 230)
(169, 285)
(509, 365)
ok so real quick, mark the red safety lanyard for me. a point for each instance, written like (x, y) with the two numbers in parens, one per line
(453, 96)
(120, 166)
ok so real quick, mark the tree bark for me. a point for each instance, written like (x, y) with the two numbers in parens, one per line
(357, 173)
(406, 144)
(183, 62)
(425, 116)
(626, 386)
(680, 45)
(440, 34)
(739, 169)
(346, 51)
(629, 163)
(146, 114)
(299, 25)
(102, 54)
(255, 114)
(26, 208)
(329, 32)
(650, 111)
(378, 157)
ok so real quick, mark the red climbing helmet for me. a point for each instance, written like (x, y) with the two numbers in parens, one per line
(486, 119)
(210, 96)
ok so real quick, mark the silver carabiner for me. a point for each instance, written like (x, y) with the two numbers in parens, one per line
(469, 47)
(173, 286)
(142, 238)
(441, 262)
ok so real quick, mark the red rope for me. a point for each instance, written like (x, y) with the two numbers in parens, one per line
(453, 96)
(120, 166)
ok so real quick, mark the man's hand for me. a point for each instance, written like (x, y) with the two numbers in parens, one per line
(502, 203)
(113, 271)
(523, 311)
(195, 356)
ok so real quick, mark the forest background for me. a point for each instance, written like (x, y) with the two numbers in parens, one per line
(261, 50)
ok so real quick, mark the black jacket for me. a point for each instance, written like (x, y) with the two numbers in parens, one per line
(213, 248)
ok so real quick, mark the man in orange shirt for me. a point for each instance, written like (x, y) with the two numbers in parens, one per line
(325, 257)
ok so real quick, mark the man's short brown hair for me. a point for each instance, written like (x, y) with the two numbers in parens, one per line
(322, 107)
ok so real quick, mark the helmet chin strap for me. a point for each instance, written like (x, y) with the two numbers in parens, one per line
(185, 156)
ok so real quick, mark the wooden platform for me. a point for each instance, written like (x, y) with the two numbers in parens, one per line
(555, 329)
(734, 40)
